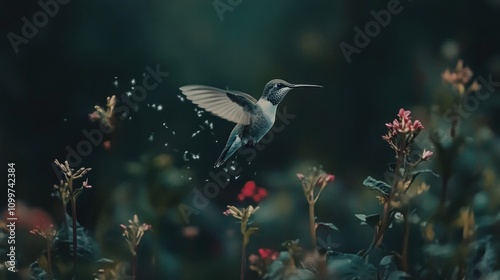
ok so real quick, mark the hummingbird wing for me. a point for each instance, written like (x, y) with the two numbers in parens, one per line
(233, 106)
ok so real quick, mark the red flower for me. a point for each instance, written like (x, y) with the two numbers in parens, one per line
(251, 190)
(248, 189)
(241, 197)
(262, 192)
(268, 254)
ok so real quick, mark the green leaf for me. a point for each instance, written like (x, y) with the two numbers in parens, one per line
(380, 186)
(370, 220)
(415, 173)
(330, 225)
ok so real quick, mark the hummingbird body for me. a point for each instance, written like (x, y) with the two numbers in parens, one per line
(253, 118)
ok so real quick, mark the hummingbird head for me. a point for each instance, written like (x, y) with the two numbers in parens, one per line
(276, 90)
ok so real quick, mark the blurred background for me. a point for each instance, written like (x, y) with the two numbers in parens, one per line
(160, 152)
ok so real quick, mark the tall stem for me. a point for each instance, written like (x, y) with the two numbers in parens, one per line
(444, 188)
(134, 266)
(312, 224)
(406, 237)
(73, 214)
(49, 258)
(243, 261)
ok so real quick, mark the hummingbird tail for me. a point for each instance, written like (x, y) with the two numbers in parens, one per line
(233, 144)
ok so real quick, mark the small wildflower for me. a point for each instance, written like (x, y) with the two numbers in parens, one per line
(104, 116)
(315, 178)
(426, 155)
(268, 254)
(250, 190)
(460, 77)
(86, 184)
(404, 126)
(133, 233)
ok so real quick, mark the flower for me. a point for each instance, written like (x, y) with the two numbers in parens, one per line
(461, 74)
(251, 190)
(268, 254)
(133, 233)
(426, 155)
(248, 188)
(403, 125)
(86, 184)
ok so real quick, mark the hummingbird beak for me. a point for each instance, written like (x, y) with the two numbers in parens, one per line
(306, 86)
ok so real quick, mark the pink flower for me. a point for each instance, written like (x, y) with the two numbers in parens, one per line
(86, 184)
(329, 178)
(426, 155)
(253, 259)
(123, 226)
(402, 125)
(95, 116)
(227, 212)
(300, 176)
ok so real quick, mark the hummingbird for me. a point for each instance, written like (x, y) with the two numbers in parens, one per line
(253, 118)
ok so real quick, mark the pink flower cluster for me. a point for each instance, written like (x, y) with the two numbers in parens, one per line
(402, 125)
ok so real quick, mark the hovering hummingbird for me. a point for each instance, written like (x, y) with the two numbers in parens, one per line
(253, 118)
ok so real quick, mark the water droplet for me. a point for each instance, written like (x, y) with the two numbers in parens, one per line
(166, 144)
(132, 82)
(194, 156)
(65, 119)
(128, 93)
(160, 107)
(196, 133)
(115, 83)
(151, 137)
(154, 105)
(237, 177)
(185, 156)
(232, 168)
(173, 132)
(130, 118)
(210, 124)
(180, 97)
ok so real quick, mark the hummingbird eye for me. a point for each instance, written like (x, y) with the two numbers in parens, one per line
(279, 85)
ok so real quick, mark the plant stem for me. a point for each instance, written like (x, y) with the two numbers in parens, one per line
(312, 224)
(243, 261)
(49, 258)
(73, 214)
(134, 266)
(406, 237)
(444, 188)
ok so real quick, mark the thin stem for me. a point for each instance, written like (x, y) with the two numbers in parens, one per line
(243, 261)
(73, 213)
(134, 266)
(406, 234)
(312, 224)
(444, 188)
(49, 258)
(386, 214)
